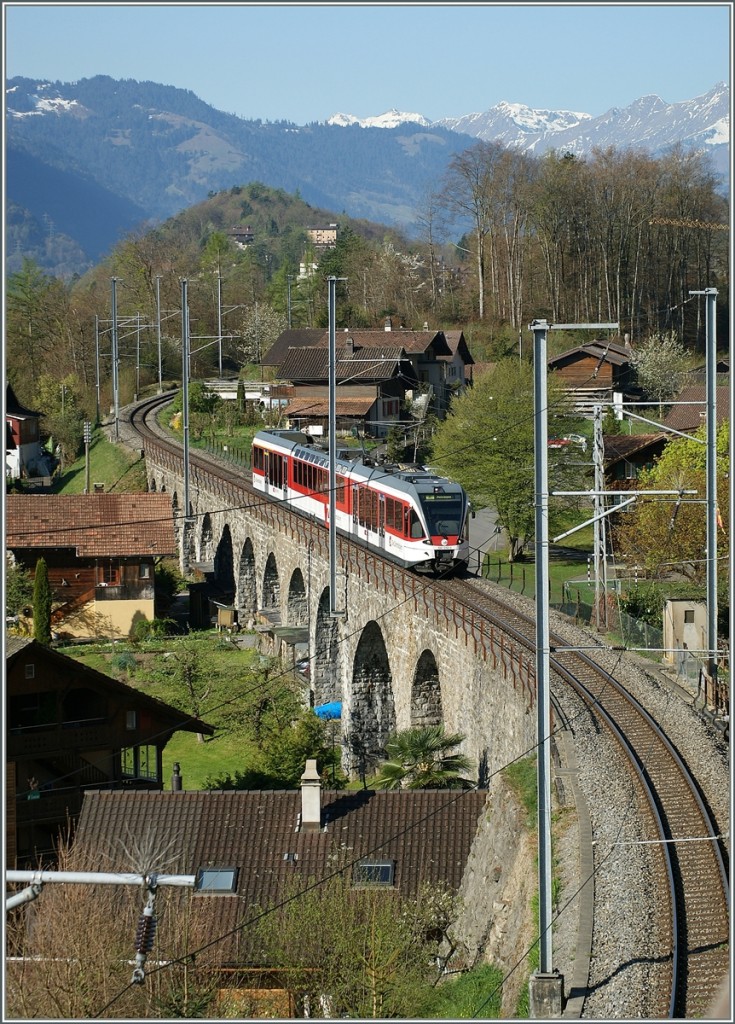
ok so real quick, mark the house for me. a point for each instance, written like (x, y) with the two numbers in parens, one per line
(592, 373)
(70, 727)
(688, 412)
(242, 236)
(372, 384)
(627, 454)
(436, 366)
(101, 552)
(25, 459)
(250, 848)
(323, 237)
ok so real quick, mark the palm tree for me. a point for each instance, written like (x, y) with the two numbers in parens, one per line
(421, 758)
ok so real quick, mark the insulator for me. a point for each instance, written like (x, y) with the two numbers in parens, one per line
(145, 933)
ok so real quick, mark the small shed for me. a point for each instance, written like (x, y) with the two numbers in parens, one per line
(685, 628)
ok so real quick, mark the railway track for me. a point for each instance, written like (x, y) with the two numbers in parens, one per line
(690, 879)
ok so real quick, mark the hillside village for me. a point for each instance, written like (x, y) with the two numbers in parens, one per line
(359, 771)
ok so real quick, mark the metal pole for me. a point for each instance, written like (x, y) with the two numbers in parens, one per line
(97, 362)
(158, 331)
(288, 283)
(219, 319)
(599, 535)
(332, 440)
(115, 361)
(541, 471)
(185, 393)
(711, 473)
(87, 439)
(137, 356)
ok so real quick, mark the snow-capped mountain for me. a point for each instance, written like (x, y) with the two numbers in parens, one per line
(648, 123)
(390, 119)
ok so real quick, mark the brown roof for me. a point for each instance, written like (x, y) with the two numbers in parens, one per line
(428, 833)
(293, 338)
(690, 417)
(623, 446)
(413, 342)
(610, 352)
(311, 364)
(456, 342)
(95, 525)
(320, 406)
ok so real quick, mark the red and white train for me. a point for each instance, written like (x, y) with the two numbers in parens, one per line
(412, 516)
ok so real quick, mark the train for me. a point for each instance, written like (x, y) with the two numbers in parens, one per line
(409, 515)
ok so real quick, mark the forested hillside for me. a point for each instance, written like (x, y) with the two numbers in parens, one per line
(618, 238)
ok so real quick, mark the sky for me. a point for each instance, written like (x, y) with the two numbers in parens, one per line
(304, 62)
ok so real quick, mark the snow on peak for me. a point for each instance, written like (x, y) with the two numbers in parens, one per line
(390, 119)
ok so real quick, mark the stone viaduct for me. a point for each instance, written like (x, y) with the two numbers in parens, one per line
(403, 654)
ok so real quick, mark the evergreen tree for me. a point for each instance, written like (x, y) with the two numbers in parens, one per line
(41, 604)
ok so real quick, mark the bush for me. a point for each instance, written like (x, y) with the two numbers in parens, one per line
(124, 662)
(152, 629)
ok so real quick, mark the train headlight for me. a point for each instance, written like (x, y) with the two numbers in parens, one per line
(444, 542)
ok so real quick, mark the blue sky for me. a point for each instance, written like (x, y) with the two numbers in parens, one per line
(304, 62)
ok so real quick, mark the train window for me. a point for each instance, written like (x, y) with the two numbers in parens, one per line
(341, 493)
(258, 458)
(416, 530)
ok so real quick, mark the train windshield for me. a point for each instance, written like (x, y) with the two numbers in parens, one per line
(444, 513)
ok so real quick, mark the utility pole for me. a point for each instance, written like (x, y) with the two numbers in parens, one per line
(334, 611)
(600, 535)
(97, 364)
(158, 332)
(546, 986)
(115, 361)
(711, 498)
(87, 440)
(185, 398)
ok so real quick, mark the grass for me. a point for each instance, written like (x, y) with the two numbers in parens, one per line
(113, 465)
(231, 672)
(567, 573)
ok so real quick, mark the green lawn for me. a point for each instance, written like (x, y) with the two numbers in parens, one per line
(233, 688)
(113, 465)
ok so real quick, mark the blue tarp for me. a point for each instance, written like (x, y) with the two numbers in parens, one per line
(331, 710)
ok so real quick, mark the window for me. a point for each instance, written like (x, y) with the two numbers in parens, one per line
(110, 575)
(139, 763)
(144, 571)
(30, 672)
(131, 721)
(210, 880)
(689, 615)
(373, 872)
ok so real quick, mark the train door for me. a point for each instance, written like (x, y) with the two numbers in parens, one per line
(381, 520)
(355, 508)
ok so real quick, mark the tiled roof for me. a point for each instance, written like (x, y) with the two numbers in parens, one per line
(428, 833)
(292, 338)
(623, 446)
(690, 417)
(413, 342)
(310, 364)
(95, 525)
(320, 406)
(610, 352)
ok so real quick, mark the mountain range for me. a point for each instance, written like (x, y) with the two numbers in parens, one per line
(89, 161)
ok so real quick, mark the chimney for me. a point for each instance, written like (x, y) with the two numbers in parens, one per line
(426, 325)
(176, 780)
(388, 324)
(350, 347)
(311, 798)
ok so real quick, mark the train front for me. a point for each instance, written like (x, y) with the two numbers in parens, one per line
(446, 510)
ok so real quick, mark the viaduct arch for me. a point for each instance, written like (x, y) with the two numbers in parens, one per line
(396, 659)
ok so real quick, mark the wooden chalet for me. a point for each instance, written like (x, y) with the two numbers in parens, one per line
(68, 728)
(592, 373)
(626, 455)
(101, 552)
